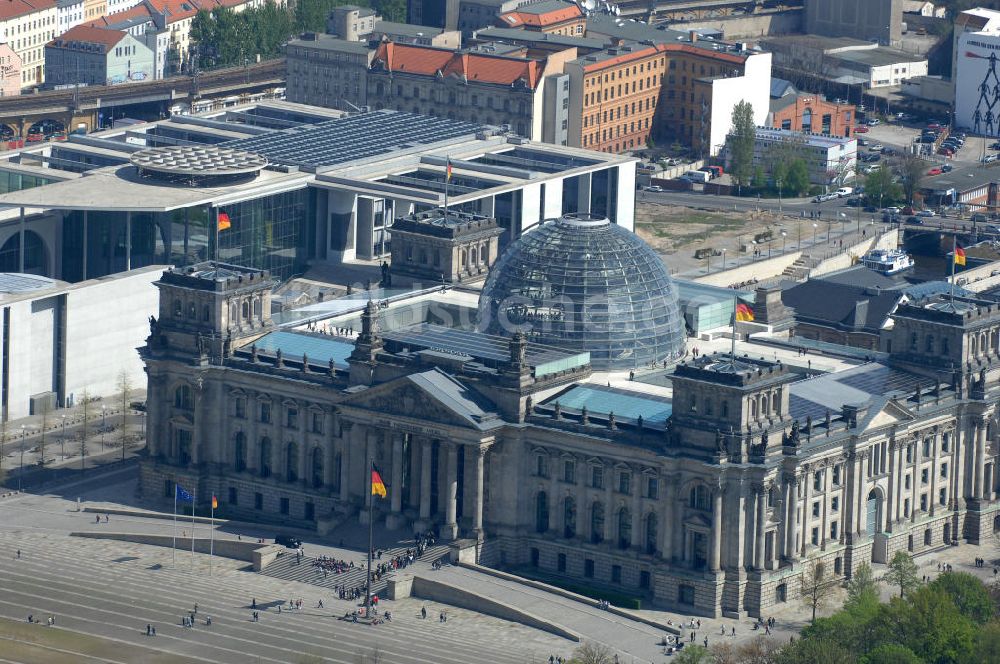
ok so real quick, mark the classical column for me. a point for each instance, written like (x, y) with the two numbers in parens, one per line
(477, 512)
(670, 516)
(824, 528)
(450, 530)
(346, 434)
(396, 492)
(958, 471)
(760, 496)
(716, 530)
(806, 509)
(980, 458)
(891, 508)
(739, 556)
(425, 480)
(792, 518)
(861, 497)
(329, 449)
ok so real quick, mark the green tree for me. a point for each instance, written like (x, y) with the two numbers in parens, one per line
(863, 586)
(903, 573)
(910, 170)
(592, 653)
(798, 177)
(759, 180)
(970, 596)
(881, 187)
(814, 651)
(987, 646)
(740, 143)
(891, 653)
(693, 654)
(928, 623)
(392, 10)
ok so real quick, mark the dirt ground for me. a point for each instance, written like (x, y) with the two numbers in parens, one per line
(676, 232)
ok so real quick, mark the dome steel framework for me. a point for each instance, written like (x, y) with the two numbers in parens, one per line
(583, 283)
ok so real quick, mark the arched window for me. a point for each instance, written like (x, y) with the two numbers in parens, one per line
(541, 512)
(463, 258)
(178, 309)
(291, 462)
(317, 467)
(597, 522)
(192, 311)
(183, 398)
(651, 534)
(483, 254)
(624, 528)
(700, 498)
(206, 314)
(569, 517)
(807, 119)
(265, 457)
(929, 343)
(246, 310)
(256, 307)
(763, 404)
(240, 461)
(944, 346)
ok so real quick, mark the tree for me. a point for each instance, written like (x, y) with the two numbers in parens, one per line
(46, 408)
(759, 180)
(797, 180)
(125, 387)
(910, 169)
(740, 143)
(863, 585)
(392, 10)
(891, 653)
(968, 593)
(812, 651)
(881, 188)
(903, 573)
(816, 588)
(693, 654)
(928, 623)
(592, 653)
(85, 399)
(987, 644)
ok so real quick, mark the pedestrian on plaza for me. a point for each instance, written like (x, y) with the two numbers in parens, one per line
(195, 609)
(319, 605)
(734, 631)
(423, 612)
(706, 641)
(52, 621)
(208, 620)
(154, 630)
(692, 637)
(149, 629)
(253, 603)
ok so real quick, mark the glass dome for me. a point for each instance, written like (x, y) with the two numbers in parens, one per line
(581, 282)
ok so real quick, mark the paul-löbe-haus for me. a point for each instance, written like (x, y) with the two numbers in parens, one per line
(709, 502)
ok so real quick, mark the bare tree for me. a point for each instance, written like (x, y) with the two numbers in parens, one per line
(816, 587)
(46, 409)
(592, 653)
(84, 427)
(910, 168)
(125, 387)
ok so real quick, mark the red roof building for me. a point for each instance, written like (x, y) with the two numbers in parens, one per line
(550, 16)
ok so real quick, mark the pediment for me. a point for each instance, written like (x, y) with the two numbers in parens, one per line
(431, 396)
(892, 412)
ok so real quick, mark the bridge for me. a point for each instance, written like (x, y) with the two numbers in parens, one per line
(682, 10)
(933, 236)
(70, 108)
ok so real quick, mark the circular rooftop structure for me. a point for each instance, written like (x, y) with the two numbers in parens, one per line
(583, 283)
(198, 164)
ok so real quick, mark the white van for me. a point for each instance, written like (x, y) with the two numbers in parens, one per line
(844, 191)
(698, 176)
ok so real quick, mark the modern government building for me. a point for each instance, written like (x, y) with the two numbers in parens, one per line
(537, 405)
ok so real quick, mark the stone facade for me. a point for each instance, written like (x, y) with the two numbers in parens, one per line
(461, 248)
(714, 512)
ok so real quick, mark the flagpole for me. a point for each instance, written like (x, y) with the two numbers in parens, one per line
(954, 259)
(211, 542)
(173, 547)
(194, 501)
(736, 305)
(447, 180)
(371, 527)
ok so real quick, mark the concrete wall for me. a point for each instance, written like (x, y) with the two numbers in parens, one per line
(226, 548)
(753, 87)
(861, 19)
(445, 593)
(850, 255)
(789, 21)
(760, 270)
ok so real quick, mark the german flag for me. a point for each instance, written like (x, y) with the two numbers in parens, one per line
(224, 222)
(959, 255)
(447, 172)
(378, 486)
(215, 503)
(743, 313)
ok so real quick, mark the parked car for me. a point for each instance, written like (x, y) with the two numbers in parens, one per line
(862, 142)
(861, 129)
(908, 210)
(995, 145)
(933, 124)
(947, 168)
(914, 220)
(878, 147)
(946, 152)
(874, 122)
(655, 188)
(925, 213)
(892, 209)
(989, 159)
(288, 541)
(979, 218)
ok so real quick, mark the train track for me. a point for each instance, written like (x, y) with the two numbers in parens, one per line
(178, 86)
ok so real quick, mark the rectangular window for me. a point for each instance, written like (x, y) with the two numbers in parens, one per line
(833, 530)
(927, 447)
(597, 477)
(644, 579)
(906, 508)
(945, 439)
(909, 454)
(616, 574)
(685, 594)
(284, 505)
(816, 509)
(923, 502)
(292, 418)
(815, 536)
(561, 562)
(924, 476)
(835, 504)
(944, 470)
(836, 474)
(317, 422)
(653, 488)
(233, 498)
(541, 465)
(265, 412)
(569, 472)
(241, 407)
(818, 481)
(906, 481)
(588, 568)
(943, 497)
(624, 483)
(309, 511)
(258, 501)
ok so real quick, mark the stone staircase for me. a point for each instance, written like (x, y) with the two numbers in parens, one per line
(800, 269)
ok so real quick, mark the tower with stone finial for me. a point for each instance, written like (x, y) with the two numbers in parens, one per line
(368, 345)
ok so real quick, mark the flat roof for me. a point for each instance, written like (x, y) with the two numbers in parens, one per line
(879, 57)
(540, 38)
(625, 404)
(320, 348)
(408, 29)
(815, 396)
(326, 42)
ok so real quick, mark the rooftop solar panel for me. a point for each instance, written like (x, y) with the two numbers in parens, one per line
(353, 137)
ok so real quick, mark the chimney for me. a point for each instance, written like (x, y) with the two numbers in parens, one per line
(694, 36)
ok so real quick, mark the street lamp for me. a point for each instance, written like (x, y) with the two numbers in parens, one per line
(723, 259)
(814, 235)
(784, 236)
(62, 444)
(104, 413)
(754, 243)
(20, 473)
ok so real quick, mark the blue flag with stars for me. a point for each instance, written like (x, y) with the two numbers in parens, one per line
(182, 495)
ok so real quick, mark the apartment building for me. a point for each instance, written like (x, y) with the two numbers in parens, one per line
(69, 13)
(28, 25)
(94, 9)
(811, 113)
(97, 56)
(556, 17)
(831, 160)
(326, 71)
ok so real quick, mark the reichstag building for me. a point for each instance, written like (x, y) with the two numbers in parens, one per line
(571, 433)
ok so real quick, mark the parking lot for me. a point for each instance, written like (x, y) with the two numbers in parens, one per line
(900, 137)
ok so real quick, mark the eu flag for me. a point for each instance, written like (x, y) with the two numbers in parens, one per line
(182, 495)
